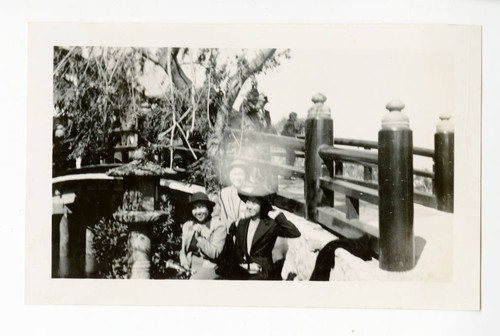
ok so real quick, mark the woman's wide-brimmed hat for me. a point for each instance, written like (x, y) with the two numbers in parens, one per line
(250, 190)
(200, 197)
(263, 194)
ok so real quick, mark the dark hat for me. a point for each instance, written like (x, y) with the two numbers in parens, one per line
(200, 197)
(258, 191)
(261, 193)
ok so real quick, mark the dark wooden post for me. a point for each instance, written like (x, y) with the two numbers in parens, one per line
(319, 131)
(444, 149)
(395, 161)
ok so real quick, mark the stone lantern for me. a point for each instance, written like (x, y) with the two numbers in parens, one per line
(140, 210)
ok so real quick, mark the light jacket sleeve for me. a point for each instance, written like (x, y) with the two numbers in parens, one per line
(212, 247)
(185, 257)
(222, 207)
(286, 228)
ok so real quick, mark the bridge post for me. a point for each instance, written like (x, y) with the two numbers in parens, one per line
(395, 161)
(64, 260)
(444, 148)
(90, 260)
(319, 131)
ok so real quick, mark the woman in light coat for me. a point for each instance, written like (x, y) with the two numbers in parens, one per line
(232, 208)
(203, 238)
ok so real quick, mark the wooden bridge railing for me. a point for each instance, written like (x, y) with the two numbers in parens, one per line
(395, 195)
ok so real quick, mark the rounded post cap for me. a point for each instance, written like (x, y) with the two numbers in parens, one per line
(445, 125)
(318, 98)
(319, 110)
(445, 116)
(395, 105)
(395, 118)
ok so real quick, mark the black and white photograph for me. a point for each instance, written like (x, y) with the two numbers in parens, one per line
(328, 159)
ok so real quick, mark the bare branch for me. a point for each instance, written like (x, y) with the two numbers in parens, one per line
(187, 141)
(60, 65)
(192, 94)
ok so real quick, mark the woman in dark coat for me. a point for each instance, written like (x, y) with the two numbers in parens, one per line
(256, 235)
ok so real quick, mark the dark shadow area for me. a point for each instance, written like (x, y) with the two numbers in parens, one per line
(87, 209)
(419, 247)
(359, 247)
(56, 219)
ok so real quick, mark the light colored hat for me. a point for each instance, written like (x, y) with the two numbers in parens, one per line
(238, 163)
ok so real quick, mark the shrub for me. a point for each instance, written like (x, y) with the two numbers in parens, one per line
(111, 248)
(166, 243)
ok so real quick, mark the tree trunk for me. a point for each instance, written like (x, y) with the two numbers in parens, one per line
(181, 81)
(179, 78)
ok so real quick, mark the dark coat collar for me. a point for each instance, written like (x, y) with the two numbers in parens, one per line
(262, 228)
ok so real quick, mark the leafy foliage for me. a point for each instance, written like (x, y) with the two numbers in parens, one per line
(94, 92)
(166, 242)
(111, 248)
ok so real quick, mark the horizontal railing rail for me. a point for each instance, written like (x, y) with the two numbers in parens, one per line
(90, 169)
(347, 155)
(272, 139)
(359, 157)
(366, 144)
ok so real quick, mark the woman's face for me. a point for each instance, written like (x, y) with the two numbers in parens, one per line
(237, 176)
(200, 212)
(253, 207)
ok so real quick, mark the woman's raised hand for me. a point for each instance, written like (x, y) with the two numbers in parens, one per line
(273, 213)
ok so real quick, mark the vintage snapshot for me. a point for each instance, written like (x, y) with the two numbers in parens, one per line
(265, 165)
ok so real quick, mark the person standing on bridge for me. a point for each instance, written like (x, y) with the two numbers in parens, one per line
(290, 129)
(255, 116)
